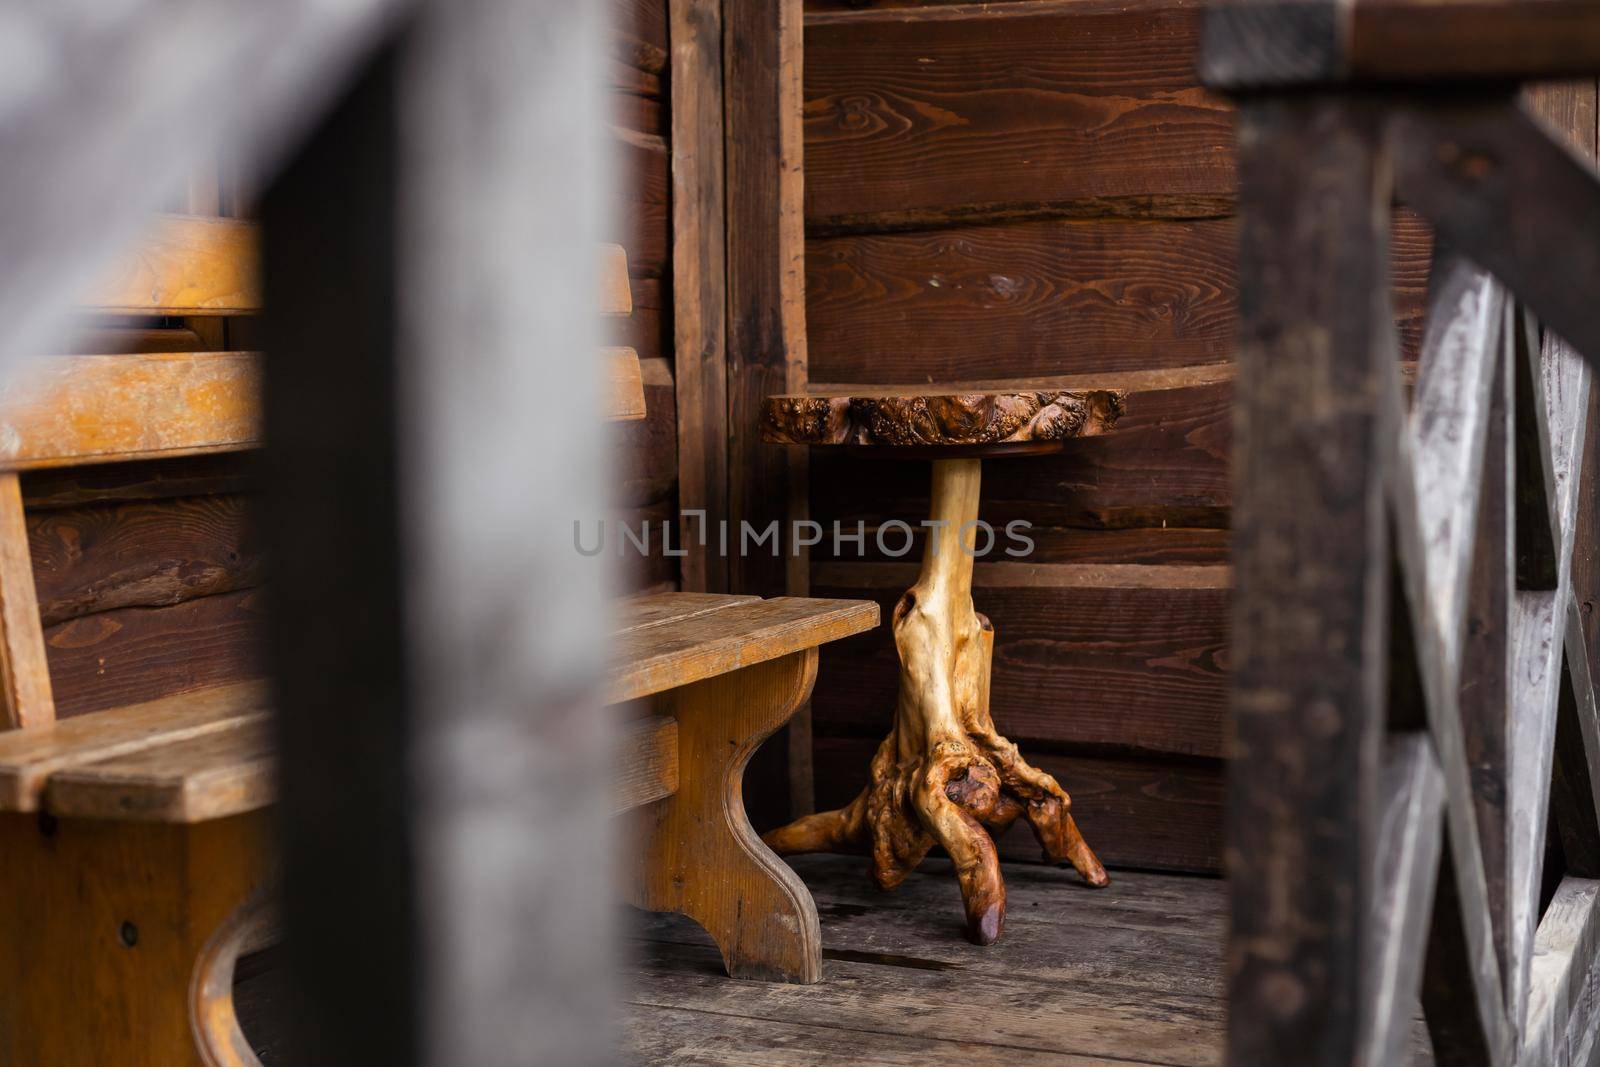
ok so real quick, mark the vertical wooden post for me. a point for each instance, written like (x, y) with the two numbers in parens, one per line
(25, 695)
(437, 639)
(1312, 572)
(762, 48)
(699, 300)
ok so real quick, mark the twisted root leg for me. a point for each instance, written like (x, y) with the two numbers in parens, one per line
(944, 775)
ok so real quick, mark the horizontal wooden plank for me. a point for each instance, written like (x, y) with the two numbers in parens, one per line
(648, 330)
(113, 658)
(95, 339)
(1474, 40)
(624, 388)
(647, 449)
(911, 120)
(645, 20)
(102, 557)
(152, 479)
(1045, 297)
(187, 265)
(647, 763)
(641, 216)
(635, 614)
(211, 776)
(650, 659)
(1159, 814)
(78, 409)
(1145, 542)
(29, 757)
(1032, 297)
(615, 296)
(1134, 660)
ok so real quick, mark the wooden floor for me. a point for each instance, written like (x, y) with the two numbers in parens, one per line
(1131, 974)
(1127, 974)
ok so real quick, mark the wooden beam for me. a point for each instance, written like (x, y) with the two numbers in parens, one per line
(1482, 634)
(1281, 43)
(1409, 838)
(1449, 424)
(1470, 167)
(766, 339)
(1538, 625)
(1575, 792)
(699, 291)
(1303, 786)
(86, 409)
(25, 695)
(1463, 991)
(68, 204)
(187, 265)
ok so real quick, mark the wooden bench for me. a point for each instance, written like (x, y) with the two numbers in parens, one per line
(134, 853)
(724, 673)
(717, 675)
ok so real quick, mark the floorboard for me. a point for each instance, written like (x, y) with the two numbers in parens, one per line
(1131, 974)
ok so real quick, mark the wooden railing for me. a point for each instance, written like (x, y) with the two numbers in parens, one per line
(1409, 661)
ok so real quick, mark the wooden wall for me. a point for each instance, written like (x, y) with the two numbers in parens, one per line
(647, 451)
(1029, 188)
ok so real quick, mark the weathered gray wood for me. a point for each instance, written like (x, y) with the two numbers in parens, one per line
(1410, 835)
(1449, 420)
(1538, 628)
(1463, 992)
(99, 124)
(1538, 532)
(1485, 662)
(438, 638)
(1473, 167)
(1575, 791)
(1562, 1007)
(1308, 642)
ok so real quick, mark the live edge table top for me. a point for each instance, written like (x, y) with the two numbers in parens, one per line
(946, 420)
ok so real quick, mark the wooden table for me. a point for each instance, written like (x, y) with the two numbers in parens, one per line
(944, 775)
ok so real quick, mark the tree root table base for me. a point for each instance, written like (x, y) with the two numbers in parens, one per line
(944, 775)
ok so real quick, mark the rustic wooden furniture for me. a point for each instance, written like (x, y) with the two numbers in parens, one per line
(722, 673)
(945, 775)
(725, 672)
(1406, 637)
(132, 841)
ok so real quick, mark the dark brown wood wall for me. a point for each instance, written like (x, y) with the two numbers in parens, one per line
(647, 451)
(1030, 188)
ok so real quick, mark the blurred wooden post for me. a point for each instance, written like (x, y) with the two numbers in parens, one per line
(1312, 567)
(437, 640)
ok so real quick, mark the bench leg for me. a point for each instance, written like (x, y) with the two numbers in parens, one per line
(102, 924)
(699, 854)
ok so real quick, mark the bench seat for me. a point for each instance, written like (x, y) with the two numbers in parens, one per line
(185, 758)
(664, 640)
